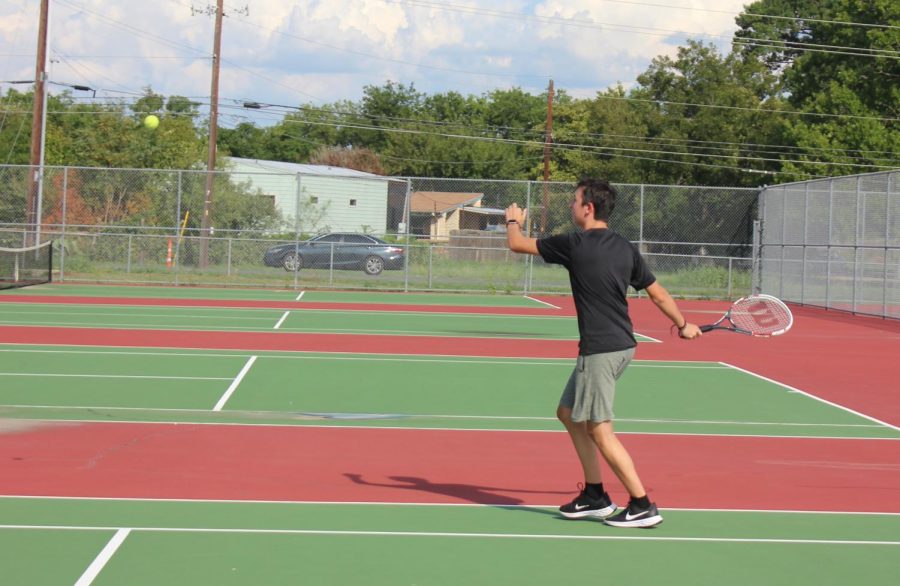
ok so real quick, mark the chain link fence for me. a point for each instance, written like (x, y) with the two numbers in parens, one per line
(145, 226)
(833, 243)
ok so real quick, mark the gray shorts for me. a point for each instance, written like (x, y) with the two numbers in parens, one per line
(592, 385)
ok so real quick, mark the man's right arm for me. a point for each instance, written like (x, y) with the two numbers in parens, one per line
(663, 300)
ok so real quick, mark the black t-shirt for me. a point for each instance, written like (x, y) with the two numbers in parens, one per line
(601, 264)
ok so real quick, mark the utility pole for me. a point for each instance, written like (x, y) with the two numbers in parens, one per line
(548, 140)
(38, 118)
(205, 222)
(205, 219)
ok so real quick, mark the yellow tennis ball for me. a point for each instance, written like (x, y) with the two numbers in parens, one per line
(151, 122)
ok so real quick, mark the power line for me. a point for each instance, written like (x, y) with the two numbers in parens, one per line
(620, 152)
(495, 130)
(746, 109)
(771, 16)
(570, 22)
(537, 144)
(467, 9)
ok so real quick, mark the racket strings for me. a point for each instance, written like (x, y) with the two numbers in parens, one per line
(761, 316)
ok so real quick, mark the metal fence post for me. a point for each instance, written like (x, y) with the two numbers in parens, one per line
(65, 201)
(828, 246)
(856, 248)
(641, 222)
(805, 242)
(756, 261)
(228, 261)
(783, 238)
(430, 254)
(406, 214)
(529, 262)
(887, 238)
(297, 230)
(178, 202)
(128, 261)
(331, 263)
(177, 264)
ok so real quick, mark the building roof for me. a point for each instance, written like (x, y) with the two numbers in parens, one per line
(441, 201)
(485, 211)
(293, 168)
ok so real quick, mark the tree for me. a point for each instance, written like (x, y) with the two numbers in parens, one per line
(844, 76)
(15, 127)
(703, 116)
(598, 137)
(360, 159)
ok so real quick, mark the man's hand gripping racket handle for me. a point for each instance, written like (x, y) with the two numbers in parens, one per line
(691, 331)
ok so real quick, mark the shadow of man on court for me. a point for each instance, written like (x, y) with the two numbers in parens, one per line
(481, 495)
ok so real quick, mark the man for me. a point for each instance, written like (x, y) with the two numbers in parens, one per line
(601, 264)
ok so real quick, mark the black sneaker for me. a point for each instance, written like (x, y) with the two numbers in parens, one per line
(632, 516)
(585, 506)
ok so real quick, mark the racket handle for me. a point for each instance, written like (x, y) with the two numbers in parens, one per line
(707, 328)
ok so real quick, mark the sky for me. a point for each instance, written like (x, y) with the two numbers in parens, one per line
(289, 52)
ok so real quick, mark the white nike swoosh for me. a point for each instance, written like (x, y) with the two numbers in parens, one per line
(581, 507)
(630, 517)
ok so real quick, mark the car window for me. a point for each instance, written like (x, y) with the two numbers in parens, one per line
(328, 238)
(358, 239)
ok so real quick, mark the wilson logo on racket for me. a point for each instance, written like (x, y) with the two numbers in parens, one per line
(757, 315)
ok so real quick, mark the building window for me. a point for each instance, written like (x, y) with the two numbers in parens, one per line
(352, 203)
(313, 199)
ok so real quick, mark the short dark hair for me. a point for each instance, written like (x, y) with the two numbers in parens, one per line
(601, 194)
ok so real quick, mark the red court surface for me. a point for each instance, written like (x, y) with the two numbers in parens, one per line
(183, 461)
(849, 361)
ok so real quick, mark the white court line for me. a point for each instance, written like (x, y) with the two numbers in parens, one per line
(299, 297)
(323, 425)
(423, 504)
(227, 312)
(126, 376)
(326, 355)
(811, 396)
(281, 321)
(200, 328)
(408, 416)
(234, 385)
(542, 302)
(646, 337)
(549, 536)
(102, 558)
(223, 313)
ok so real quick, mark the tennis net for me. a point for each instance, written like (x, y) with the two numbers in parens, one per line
(20, 267)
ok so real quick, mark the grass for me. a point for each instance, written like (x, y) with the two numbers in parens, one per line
(441, 274)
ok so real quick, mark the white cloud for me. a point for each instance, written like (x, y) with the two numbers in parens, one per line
(327, 50)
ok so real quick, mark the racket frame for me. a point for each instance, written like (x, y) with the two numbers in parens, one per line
(734, 328)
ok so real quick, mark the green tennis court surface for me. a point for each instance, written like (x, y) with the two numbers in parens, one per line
(182, 542)
(307, 321)
(396, 391)
(269, 295)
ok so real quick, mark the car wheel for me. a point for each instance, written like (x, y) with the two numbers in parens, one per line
(373, 265)
(292, 262)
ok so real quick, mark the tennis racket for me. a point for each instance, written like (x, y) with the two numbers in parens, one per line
(756, 315)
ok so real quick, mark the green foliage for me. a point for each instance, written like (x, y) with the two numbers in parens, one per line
(799, 96)
(851, 89)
